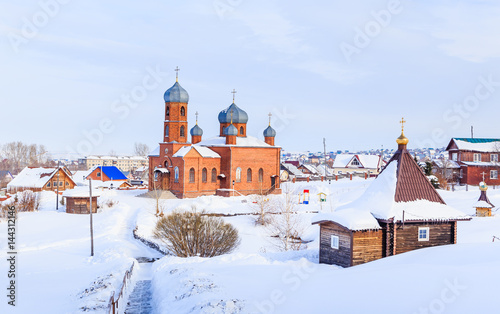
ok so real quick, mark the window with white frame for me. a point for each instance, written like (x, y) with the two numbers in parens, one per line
(493, 174)
(355, 162)
(454, 157)
(494, 157)
(477, 157)
(335, 242)
(423, 234)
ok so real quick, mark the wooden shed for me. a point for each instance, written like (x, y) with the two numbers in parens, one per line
(399, 212)
(78, 202)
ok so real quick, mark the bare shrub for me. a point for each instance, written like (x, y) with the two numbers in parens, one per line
(110, 203)
(194, 233)
(285, 224)
(443, 183)
(28, 201)
(263, 206)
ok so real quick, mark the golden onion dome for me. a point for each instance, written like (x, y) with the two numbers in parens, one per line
(402, 139)
(483, 186)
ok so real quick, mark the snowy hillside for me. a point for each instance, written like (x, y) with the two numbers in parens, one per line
(57, 275)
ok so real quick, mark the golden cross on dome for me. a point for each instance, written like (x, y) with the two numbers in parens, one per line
(231, 116)
(270, 115)
(234, 94)
(177, 73)
(196, 114)
(402, 124)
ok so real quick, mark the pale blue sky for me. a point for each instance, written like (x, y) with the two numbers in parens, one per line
(60, 79)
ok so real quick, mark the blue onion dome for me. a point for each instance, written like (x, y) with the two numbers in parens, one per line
(176, 94)
(231, 130)
(239, 115)
(196, 131)
(269, 132)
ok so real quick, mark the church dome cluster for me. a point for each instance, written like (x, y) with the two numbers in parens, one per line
(238, 115)
(176, 94)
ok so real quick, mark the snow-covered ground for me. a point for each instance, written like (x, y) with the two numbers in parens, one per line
(56, 273)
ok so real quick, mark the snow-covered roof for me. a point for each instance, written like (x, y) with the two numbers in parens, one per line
(369, 161)
(80, 177)
(366, 161)
(448, 163)
(355, 219)
(203, 151)
(482, 204)
(478, 145)
(293, 170)
(248, 141)
(33, 177)
(379, 202)
(311, 168)
(155, 152)
(482, 163)
(81, 192)
(321, 170)
(341, 160)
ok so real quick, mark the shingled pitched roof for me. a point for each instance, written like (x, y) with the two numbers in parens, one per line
(412, 184)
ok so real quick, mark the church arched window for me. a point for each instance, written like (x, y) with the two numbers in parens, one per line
(183, 131)
(176, 174)
(249, 175)
(191, 175)
(167, 129)
(204, 175)
(261, 175)
(166, 164)
(238, 174)
(168, 111)
(214, 175)
(183, 111)
(241, 130)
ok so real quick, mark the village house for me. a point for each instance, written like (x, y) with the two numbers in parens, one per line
(42, 179)
(475, 157)
(399, 212)
(357, 164)
(232, 162)
(107, 177)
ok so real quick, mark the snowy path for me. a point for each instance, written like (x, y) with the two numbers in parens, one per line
(139, 301)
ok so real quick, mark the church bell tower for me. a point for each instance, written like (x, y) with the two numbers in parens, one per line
(175, 127)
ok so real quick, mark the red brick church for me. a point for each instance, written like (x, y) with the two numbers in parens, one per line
(231, 163)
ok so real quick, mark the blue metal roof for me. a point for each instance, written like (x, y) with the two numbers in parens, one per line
(113, 173)
(477, 140)
(176, 94)
(239, 115)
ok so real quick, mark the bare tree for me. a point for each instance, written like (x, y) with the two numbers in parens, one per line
(15, 156)
(194, 233)
(285, 224)
(112, 153)
(141, 149)
(262, 204)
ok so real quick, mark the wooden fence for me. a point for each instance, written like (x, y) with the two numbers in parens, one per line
(113, 301)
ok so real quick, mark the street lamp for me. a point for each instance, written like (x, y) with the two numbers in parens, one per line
(57, 188)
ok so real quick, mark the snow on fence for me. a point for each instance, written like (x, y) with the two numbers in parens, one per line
(113, 301)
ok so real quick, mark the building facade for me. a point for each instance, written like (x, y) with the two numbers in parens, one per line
(477, 158)
(124, 163)
(231, 163)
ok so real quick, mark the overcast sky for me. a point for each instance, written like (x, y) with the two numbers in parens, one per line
(76, 75)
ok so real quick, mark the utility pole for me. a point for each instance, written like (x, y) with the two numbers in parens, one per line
(324, 149)
(57, 188)
(472, 131)
(91, 227)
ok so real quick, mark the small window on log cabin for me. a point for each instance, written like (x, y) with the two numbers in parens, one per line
(335, 242)
(423, 234)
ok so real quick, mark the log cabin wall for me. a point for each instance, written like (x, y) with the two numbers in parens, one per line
(80, 205)
(406, 239)
(367, 246)
(329, 255)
